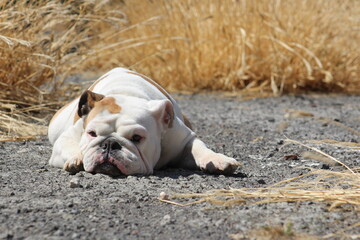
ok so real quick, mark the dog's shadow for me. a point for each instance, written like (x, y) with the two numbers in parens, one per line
(176, 173)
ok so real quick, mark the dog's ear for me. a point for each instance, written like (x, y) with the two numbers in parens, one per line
(87, 102)
(163, 111)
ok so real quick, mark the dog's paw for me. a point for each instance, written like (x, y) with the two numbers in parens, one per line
(218, 163)
(74, 165)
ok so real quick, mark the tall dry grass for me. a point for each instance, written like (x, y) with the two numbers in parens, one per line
(262, 47)
(277, 46)
(41, 43)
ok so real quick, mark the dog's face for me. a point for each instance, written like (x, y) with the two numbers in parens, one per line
(122, 136)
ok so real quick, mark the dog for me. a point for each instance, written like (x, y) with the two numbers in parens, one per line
(127, 124)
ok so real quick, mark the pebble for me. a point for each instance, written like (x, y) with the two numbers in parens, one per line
(75, 236)
(75, 182)
(164, 196)
(80, 174)
(166, 220)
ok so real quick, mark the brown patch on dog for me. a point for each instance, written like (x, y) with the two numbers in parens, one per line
(91, 88)
(107, 103)
(110, 104)
(86, 103)
(187, 122)
(76, 117)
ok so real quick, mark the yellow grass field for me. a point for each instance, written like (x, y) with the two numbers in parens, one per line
(260, 48)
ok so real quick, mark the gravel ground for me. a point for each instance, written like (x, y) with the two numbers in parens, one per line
(41, 202)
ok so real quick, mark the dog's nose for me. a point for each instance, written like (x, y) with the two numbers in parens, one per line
(110, 144)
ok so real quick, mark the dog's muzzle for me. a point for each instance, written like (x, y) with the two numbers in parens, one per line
(109, 146)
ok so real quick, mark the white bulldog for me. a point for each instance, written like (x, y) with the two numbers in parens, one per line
(126, 124)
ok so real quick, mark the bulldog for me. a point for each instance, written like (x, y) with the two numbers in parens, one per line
(126, 124)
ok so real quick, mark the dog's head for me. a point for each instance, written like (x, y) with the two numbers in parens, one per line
(122, 135)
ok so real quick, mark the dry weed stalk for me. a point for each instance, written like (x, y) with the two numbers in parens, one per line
(334, 188)
(292, 113)
(322, 153)
(332, 142)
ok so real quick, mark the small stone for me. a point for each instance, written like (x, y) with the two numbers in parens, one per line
(75, 182)
(166, 220)
(75, 236)
(325, 166)
(291, 157)
(6, 236)
(59, 233)
(80, 174)
(163, 196)
(261, 181)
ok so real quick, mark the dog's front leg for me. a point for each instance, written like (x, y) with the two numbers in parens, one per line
(207, 160)
(66, 152)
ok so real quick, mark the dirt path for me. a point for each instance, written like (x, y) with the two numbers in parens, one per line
(37, 202)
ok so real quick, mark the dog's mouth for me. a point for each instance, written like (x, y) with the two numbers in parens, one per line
(114, 158)
(108, 169)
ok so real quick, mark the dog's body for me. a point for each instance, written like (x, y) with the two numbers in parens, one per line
(125, 123)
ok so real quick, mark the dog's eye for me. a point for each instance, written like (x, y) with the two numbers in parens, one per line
(136, 138)
(92, 134)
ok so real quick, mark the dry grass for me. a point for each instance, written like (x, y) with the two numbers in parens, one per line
(340, 191)
(337, 189)
(262, 47)
(277, 46)
(334, 188)
(41, 43)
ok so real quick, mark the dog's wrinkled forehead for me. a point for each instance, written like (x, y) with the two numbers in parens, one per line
(106, 104)
(132, 110)
(92, 104)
